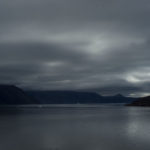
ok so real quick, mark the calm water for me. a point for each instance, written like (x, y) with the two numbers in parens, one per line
(75, 127)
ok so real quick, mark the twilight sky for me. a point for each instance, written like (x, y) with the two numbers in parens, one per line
(95, 45)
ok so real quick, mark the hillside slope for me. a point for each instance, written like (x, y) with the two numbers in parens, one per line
(12, 95)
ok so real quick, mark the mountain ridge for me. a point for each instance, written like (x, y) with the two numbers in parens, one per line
(12, 95)
(71, 97)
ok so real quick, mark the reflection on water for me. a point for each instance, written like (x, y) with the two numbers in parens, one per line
(80, 127)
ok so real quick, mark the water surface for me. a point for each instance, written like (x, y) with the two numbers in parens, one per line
(75, 127)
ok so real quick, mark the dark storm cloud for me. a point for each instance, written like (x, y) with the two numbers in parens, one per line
(98, 45)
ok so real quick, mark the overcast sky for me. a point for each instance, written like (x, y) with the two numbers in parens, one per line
(93, 45)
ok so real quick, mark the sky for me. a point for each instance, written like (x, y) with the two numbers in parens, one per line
(92, 45)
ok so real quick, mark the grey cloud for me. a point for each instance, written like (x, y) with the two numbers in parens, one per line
(98, 45)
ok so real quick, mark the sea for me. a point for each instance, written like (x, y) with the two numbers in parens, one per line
(74, 127)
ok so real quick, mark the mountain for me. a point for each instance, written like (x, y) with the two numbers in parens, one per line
(144, 101)
(12, 95)
(118, 99)
(73, 97)
(65, 97)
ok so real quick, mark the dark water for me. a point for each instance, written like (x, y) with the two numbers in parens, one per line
(80, 127)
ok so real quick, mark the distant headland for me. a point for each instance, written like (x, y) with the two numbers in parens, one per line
(144, 101)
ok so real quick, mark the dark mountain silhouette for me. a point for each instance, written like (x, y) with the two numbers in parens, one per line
(118, 99)
(12, 95)
(144, 101)
(72, 97)
(65, 97)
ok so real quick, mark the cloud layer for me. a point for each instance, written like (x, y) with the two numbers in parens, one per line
(98, 45)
